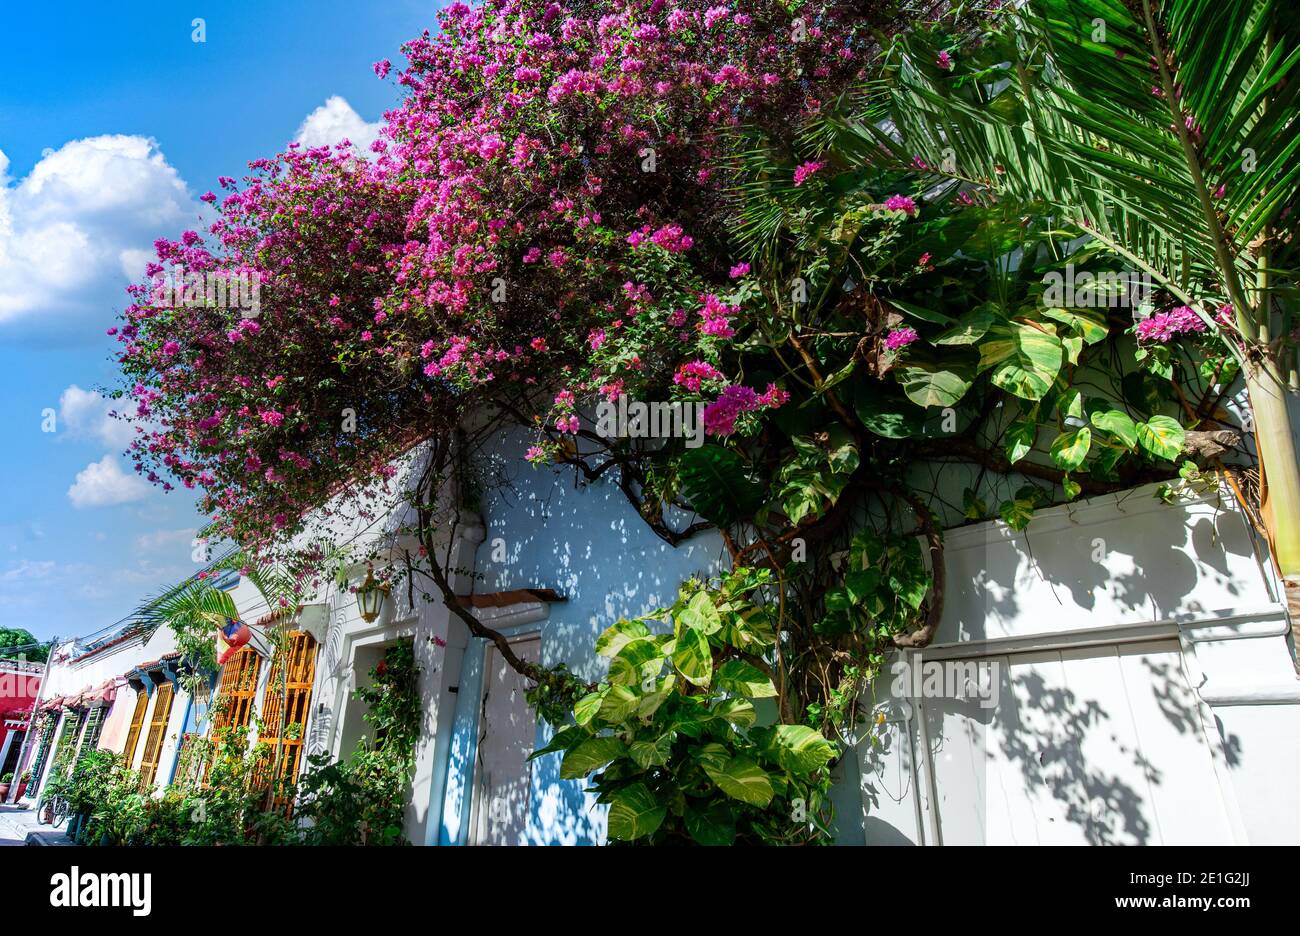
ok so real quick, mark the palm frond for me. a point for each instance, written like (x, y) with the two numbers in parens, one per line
(1168, 130)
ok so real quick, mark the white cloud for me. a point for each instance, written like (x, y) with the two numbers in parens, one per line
(133, 262)
(103, 483)
(334, 121)
(160, 539)
(27, 570)
(85, 415)
(79, 221)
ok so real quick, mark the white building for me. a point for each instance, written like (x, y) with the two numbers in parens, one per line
(1125, 665)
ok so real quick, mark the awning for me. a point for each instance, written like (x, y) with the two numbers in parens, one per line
(105, 692)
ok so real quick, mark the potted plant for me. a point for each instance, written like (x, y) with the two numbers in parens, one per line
(5, 781)
(25, 779)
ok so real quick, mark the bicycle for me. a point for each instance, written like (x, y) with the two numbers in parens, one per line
(52, 811)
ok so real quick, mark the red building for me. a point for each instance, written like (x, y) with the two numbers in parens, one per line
(20, 685)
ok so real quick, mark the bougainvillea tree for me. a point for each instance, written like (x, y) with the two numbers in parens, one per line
(671, 201)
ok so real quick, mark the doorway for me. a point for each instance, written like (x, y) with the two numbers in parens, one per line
(507, 731)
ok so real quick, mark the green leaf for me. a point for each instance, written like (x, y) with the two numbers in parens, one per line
(746, 679)
(837, 378)
(741, 779)
(590, 755)
(638, 659)
(585, 709)
(712, 826)
(564, 739)
(971, 327)
(1071, 448)
(701, 614)
(716, 483)
(1021, 436)
(1024, 359)
(740, 712)
(1090, 323)
(649, 754)
(693, 658)
(1162, 436)
(1016, 513)
(1071, 403)
(618, 705)
(930, 383)
(1071, 487)
(650, 701)
(886, 412)
(1118, 424)
(634, 813)
(924, 314)
(800, 749)
(619, 634)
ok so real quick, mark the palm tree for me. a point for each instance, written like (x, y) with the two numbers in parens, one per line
(195, 607)
(1165, 129)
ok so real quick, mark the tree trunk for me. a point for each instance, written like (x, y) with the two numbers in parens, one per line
(1280, 490)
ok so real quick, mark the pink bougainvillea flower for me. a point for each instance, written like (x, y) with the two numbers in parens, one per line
(805, 171)
(720, 416)
(692, 374)
(1164, 326)
(901, 203)
(900, 338)
(473, 177)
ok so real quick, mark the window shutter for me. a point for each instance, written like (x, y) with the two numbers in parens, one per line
(90, 736)
(162, 709)
(286, 708)
(137, 722)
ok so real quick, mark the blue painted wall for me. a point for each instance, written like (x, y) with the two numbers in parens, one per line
(587, 543)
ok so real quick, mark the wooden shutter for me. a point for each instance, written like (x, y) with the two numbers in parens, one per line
(43, 751)
(284, 706)
(137, 721)
(162, 710)
(71, 730)
(90, 735)
(238, 689)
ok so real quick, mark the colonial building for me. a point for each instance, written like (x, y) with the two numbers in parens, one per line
(1123, 675)
(20, 686)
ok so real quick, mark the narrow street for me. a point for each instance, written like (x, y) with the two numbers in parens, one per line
(16, 822)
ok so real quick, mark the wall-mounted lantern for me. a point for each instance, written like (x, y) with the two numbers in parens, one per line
(371, 596)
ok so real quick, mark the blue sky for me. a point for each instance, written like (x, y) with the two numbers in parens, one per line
(112, 122)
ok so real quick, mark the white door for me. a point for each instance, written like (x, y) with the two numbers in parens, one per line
(1097, 745)
(506, 735)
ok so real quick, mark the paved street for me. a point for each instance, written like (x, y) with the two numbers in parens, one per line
(16, 822)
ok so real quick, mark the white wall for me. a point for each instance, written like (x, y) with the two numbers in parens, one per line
(1123, 571)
